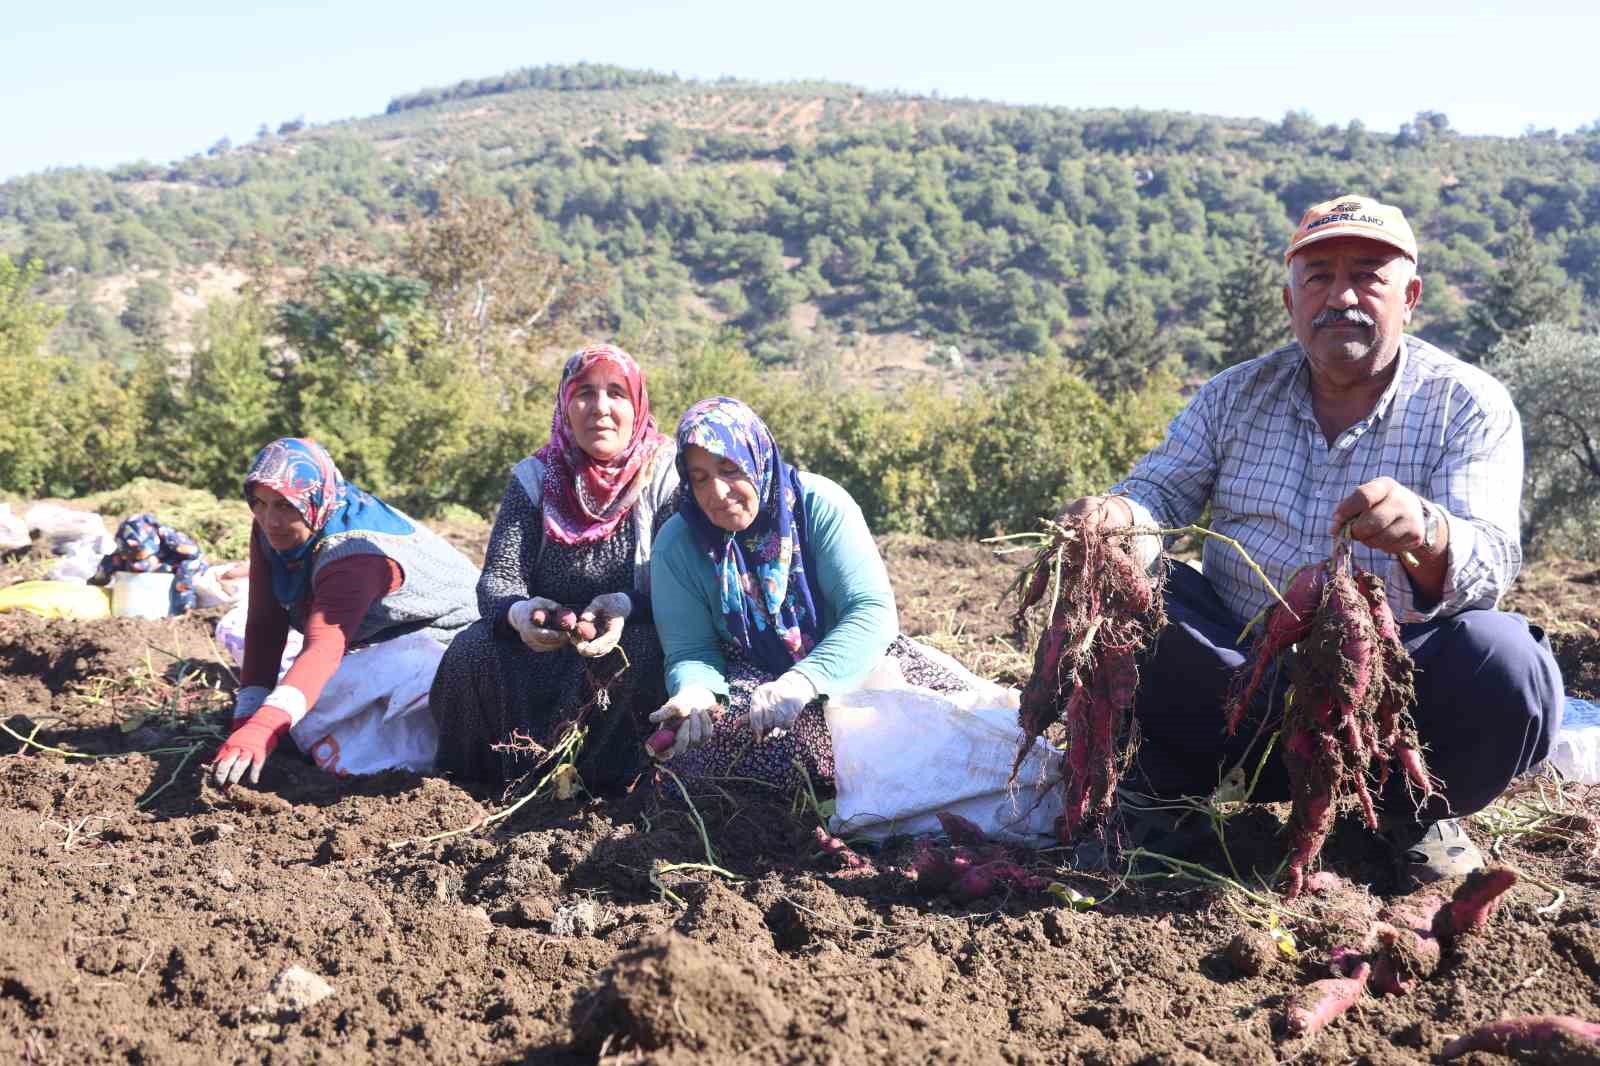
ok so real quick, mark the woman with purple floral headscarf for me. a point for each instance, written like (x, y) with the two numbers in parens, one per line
(770, 595)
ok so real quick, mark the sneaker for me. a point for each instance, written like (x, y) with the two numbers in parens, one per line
(1425, 852)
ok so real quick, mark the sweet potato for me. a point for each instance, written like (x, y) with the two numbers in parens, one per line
(1349, 718)
(1415, 913)
(1349, 620)
(974, 883)
(837, 849)
(1320, 1002)
(1473, 904)
(1287, 624)
(1310, 822)
(561, 618)
(1566, 1039)
(960, 830)
(1041, 695)
(1075, 805)
(1109, 709)
(967, 871)
(1416, 770)
(1084, 671)
(660, 741)
(988, 878)
(932, 870)
(1400, 958)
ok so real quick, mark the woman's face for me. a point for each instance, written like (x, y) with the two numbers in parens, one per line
(724, 492)
(600, 412)
(285, 529)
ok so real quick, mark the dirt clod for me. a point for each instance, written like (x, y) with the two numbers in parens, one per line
(576, 919)
(1252, 952)
(674, 993)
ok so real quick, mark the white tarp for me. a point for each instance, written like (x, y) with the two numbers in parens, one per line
(902, 754)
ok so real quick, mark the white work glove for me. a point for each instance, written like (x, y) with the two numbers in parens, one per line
(248, 701)
(609, 611)
(777, 704)
(691, 710)
(539, 638)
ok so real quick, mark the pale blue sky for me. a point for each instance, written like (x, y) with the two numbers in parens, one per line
(96, 82)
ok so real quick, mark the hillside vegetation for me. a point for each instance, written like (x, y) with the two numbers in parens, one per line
(994, 229)
(396, 285)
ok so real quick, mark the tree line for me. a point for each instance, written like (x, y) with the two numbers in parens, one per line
(424, 373)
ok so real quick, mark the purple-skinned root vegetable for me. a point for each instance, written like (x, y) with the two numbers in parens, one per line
(1320, 1002)
(1561, 1038)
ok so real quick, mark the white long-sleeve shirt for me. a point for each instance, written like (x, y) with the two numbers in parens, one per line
(1249, 445)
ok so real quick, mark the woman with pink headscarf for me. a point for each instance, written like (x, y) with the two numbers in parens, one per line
(574, 533)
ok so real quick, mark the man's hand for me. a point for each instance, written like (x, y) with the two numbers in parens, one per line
(249, 745)
(609, 612)
(777, 704)
(1384, 515)
(691, 708)
(538, 637)
(1106, 512)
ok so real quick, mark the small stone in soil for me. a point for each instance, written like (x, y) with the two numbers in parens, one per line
(294, 990)
(576, 919)
(211, 833)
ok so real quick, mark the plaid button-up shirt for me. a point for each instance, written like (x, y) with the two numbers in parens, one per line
(1249, 444)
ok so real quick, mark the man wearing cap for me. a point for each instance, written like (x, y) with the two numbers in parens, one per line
(1421, 455)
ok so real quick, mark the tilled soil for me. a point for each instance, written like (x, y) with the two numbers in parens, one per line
(148, 917)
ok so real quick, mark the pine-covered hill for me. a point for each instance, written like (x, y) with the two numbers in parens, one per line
(820, 217)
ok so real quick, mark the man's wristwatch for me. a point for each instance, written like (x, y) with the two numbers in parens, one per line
(1431, 521)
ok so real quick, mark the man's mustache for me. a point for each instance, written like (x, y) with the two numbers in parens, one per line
(1350, 316)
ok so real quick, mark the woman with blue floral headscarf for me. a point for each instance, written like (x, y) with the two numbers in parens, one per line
(770, 595)
(353, 575)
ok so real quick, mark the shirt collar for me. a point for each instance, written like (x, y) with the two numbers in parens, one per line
(1300, 386)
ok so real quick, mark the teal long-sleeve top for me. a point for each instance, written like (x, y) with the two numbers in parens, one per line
(859, 620)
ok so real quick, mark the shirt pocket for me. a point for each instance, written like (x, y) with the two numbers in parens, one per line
(1408, 457)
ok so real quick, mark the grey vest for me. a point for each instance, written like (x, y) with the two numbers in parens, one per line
(438, 591)
(659, 486)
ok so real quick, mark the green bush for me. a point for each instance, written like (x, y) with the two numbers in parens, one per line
(1554, 377)
(919, 461)
(435, 428)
